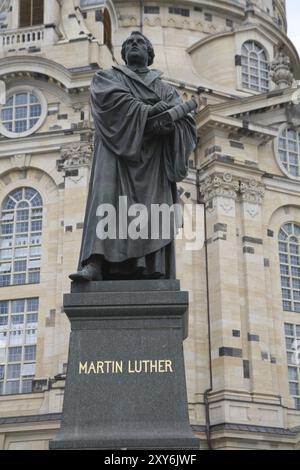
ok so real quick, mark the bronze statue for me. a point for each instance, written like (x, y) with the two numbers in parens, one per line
(138, 155)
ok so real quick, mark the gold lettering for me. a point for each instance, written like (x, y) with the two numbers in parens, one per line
(146, 366)
(83, 368)
(92, 368)
(153, 367)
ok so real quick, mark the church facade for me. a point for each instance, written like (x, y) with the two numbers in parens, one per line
(243, 351)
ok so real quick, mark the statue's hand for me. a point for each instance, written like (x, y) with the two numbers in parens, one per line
(158, 108)
(162, 129)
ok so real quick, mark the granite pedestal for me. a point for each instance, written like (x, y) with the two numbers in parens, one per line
(125, 386)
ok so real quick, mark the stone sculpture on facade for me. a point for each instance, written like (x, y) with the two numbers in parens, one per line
(280, 71)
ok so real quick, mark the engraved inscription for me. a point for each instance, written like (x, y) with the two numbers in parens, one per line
(146, 366)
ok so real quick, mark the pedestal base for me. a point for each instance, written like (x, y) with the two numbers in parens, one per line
(125, 384)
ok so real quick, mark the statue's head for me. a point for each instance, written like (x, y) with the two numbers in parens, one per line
(137, 49)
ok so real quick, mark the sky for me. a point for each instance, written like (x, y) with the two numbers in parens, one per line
(293, 18)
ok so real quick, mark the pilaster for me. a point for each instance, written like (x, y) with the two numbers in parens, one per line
(220, 195)
(257, 324)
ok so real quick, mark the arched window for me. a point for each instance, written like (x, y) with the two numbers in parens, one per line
(31, 12)
(21, 238)
(289, 254)
(289, 151)
(255, 71)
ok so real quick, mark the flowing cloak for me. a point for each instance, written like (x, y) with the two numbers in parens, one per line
(128, 163)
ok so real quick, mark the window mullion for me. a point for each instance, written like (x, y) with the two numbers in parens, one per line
(31, 12)
(14, 114)
(29, 241)
(14, 242)
(289, 298)
(28, 110)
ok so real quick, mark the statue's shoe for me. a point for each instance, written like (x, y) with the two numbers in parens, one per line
(87, 274)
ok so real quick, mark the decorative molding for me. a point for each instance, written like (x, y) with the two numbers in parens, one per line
(252, 191)
(220, 185)
(74, 156)
(280, 71)
(226, 188)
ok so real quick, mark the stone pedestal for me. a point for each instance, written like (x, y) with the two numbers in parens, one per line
(125, 386)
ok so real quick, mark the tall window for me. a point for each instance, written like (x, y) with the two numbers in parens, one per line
(18, 339)
(21, 238)
(292, 339)
(289, 150)
(289, 254)
(107, 30)
(255, 71)
(31, 12)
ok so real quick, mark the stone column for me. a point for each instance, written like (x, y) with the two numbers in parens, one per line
(51, 21)
(51, 12)
(74, 166)
(220, 194)
(257, 321)
(15, 14)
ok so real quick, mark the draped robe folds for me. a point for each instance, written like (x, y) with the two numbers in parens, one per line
(127, 162)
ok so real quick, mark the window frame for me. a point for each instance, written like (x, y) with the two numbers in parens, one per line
(240, 37)
(44, 110)
(31, 23)
(289, 274)
(285, 126)
(294, 364)
(22, 246)
(264, 49)
(13, 366)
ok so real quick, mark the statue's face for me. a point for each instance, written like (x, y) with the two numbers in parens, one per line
(136, 50)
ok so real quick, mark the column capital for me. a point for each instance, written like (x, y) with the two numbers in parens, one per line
(252, 191)
(220, 185)
(74, 156)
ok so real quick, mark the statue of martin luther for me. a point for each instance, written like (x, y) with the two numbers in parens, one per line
(131, 162)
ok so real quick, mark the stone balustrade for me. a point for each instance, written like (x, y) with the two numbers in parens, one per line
(21, 38)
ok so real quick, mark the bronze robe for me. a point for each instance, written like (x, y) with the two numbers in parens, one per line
(127, 162)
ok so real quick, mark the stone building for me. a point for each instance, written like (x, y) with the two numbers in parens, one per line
(243, 352)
